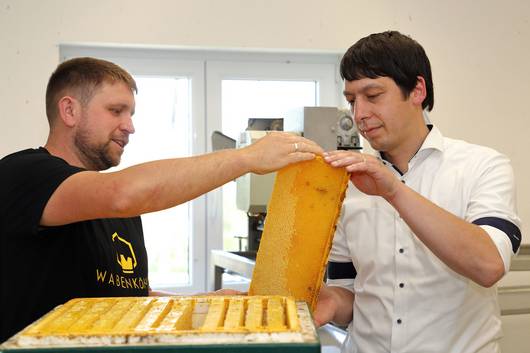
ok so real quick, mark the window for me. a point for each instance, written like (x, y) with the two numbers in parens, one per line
(162, 122)
(185, 95)
(256, 99)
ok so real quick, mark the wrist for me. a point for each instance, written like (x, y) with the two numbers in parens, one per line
(243, 160)
(392, 196)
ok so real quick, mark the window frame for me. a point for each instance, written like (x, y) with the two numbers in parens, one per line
(207, 68)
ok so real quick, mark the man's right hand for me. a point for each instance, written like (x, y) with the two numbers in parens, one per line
(334, 304)
(368, 174)
(278, 149)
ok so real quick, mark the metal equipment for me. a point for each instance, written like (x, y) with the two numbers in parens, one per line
(330, 127)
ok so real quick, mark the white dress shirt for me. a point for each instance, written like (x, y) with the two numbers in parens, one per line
(407, 299)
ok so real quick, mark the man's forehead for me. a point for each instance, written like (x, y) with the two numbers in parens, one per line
(113, 90)
(115, 85)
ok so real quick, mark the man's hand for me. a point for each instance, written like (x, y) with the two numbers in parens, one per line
(334, 304)
(326, 307)
(278, 149)
(368, 174)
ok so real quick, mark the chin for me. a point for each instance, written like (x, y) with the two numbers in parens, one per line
(115, 162)
(378, 145)
(375, 146)
(113, 158)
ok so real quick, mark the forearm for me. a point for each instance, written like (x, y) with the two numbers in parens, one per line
(464, 247)
(162, 184)
(142, 188)
(158, 185)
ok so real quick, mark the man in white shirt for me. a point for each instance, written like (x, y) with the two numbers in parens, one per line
(428, 226)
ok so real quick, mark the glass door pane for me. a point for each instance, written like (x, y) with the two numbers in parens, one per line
(162, 123)
(254, 99)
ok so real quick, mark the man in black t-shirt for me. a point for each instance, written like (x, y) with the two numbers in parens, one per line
(67, 230)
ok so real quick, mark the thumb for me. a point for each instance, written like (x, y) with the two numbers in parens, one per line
(317, 319)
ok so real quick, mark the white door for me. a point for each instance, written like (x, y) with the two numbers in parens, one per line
(238, 91)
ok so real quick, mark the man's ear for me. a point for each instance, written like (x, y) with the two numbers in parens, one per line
(419, 93)
(69, 110)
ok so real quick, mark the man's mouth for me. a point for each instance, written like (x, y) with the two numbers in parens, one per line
(367, 130)
(121, 143)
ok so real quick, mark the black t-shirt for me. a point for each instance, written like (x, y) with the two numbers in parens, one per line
(42, 267)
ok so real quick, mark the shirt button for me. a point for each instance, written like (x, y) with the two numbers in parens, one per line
(401, 251)
(403, 181)
(401, 285)
(399, 321)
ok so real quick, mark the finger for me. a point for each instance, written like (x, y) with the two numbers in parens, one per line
(346, 160)
(335, 155)
(319, 319)
(338, 152)
(316, 149)
(308, 141)
(357, 167)
(303, 146)
(304, 141)
(301, 156)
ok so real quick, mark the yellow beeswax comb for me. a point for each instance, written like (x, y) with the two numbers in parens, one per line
(299, 228)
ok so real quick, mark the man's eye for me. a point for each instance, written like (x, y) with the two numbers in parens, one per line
(373, 96)
(116, 111)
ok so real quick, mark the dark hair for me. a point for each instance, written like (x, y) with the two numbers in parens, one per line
(389, 54)
(81, 77)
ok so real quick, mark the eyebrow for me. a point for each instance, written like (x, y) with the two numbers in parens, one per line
(364, 89)
(123, 106)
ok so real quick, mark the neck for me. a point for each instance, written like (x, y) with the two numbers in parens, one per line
(401, 155)
(63, 149)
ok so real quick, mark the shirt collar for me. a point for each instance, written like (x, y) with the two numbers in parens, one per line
(433, 141)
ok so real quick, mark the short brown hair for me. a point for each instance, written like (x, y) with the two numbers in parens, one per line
(82, 76)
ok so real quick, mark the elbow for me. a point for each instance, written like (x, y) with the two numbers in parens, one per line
(131, 200)
(121, 201)
(494, 272)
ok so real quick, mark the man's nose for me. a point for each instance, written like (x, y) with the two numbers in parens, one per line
(360, 112)
(127, 125)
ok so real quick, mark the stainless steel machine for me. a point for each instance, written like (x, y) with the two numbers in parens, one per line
(330, 127)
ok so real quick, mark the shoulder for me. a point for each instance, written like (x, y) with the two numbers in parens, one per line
(34, 163)
(483, 169)
(28, 156)
(21, 155)
(18, 162)
(470, 154)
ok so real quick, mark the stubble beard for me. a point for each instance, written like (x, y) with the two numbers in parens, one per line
(94, 156)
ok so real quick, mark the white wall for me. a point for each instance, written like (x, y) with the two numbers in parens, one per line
(480, 52)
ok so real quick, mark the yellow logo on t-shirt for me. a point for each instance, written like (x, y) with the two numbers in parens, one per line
(124, 254)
